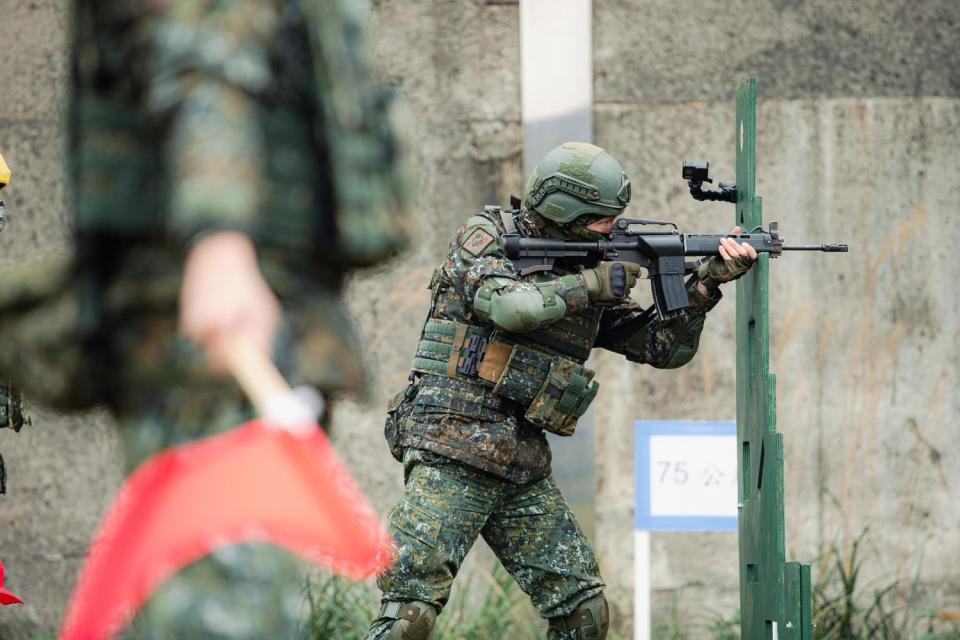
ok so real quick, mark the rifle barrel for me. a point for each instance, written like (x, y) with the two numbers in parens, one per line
(829, 248)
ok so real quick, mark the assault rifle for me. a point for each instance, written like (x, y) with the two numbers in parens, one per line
(662, 254)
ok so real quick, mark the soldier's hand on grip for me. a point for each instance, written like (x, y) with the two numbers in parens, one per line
(735, 259)
(610, 280)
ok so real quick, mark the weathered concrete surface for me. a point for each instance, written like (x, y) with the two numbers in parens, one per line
(864, 345)
(32, 90)
(63, 469)
(660, 50)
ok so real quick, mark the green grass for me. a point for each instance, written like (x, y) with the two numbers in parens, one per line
(484, 605)
(845, 607)
(488, 605)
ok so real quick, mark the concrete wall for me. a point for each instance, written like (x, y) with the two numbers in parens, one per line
(857, 131)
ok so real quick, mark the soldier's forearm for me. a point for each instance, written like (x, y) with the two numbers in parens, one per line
(702, 296)
(664, 344)
(667, 344)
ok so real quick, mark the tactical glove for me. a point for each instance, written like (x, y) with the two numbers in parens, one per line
(716, 270)
(610, 280)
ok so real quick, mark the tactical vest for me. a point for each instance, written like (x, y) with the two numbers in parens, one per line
(541, 372)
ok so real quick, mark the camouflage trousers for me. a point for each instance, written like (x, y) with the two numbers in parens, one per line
(248, 591)
(529, 527)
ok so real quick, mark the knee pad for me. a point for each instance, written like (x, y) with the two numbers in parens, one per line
(412, 620)
(590, 620)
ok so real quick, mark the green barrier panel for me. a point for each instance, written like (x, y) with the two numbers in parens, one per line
(775, 597)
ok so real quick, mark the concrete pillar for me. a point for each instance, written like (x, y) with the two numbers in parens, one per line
(556, 61)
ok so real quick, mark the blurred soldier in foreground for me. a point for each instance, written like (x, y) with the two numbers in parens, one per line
(500, 361)
(13, 415)
(236, 157)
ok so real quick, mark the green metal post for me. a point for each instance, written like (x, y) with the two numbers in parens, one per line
(775, 601)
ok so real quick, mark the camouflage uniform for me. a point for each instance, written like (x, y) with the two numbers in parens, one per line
(188, 118)
(478, 462)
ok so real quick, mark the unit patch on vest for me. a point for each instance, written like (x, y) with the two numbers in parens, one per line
(477, 241)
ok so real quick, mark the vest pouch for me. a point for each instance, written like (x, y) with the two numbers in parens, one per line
(564, 396)
(523, 376)
(398, 410)
(441, 396)
(444, 347)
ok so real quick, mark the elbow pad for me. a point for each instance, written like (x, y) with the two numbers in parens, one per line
(524, 307)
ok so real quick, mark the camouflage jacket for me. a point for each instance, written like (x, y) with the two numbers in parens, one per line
(191, 117)
(257, 115)
(461, 419)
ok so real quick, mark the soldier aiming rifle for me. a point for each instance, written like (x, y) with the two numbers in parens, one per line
(499, 363)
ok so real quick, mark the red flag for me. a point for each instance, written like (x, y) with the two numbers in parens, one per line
(254, 483)
(5, 596)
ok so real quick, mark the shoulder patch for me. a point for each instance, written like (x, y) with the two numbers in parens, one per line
(477, 241)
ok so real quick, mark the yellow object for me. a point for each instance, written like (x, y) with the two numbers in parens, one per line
(4, 173)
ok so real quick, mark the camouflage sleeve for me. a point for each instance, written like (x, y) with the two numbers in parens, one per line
(370, 178)
(637, 333)
(208, 61)
(487, 281)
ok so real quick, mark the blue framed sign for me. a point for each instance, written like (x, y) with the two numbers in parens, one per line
(686, 475)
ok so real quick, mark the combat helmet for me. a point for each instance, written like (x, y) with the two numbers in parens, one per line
(576, 184)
